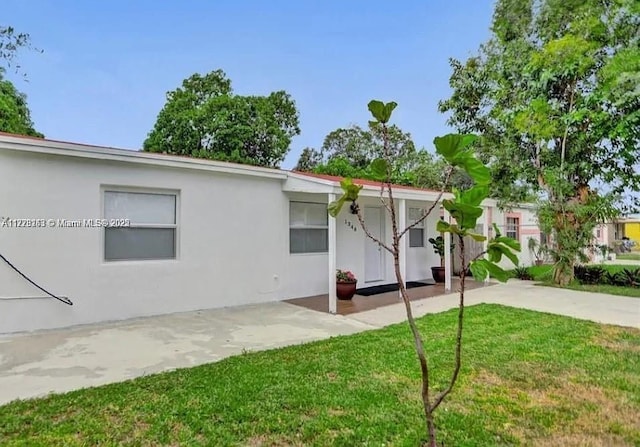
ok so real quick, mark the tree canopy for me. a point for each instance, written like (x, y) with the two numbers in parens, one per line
(555, 92)
(203, 118)
(349, 152)
(15, 116)
(10, 43)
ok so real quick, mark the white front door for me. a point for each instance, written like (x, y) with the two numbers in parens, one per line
(373, 253)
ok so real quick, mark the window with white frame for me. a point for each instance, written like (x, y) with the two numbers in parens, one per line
(308, 227)
(151, 226)
(416, 234)
(513, 228)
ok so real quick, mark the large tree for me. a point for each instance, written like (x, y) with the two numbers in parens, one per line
(11, 42)
(348, 152)
(15, 116)
(555, 93)
(203, 118)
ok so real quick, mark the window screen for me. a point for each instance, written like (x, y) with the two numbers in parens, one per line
(152, 230)
(416, 234)
(308, 228)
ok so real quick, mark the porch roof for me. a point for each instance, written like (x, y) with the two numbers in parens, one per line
(308, 182)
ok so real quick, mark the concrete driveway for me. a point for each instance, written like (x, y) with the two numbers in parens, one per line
(62, 360)
(598, 307)
(67, 359)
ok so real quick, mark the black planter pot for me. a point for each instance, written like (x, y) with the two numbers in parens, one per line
(438, 274)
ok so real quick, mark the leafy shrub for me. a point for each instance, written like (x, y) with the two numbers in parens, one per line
(628, 278)
(594, 274)
(523, 273)
(612, 279)
(589, 274)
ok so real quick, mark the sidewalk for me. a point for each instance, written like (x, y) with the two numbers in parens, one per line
(601, 308)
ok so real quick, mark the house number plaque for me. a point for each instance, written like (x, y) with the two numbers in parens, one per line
(350, 225)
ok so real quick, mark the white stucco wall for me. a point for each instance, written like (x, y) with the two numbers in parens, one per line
(528, 229)
(421, 259)
(232, 242)
(307, 272)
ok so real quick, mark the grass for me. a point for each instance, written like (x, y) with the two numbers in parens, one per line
(528, 379)
(629, 256)
(542, 273)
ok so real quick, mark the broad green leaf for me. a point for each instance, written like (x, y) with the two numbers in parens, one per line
(451, 146)
(494, 253)
(377, 109)
(496, 230)
(467, 139)
(504, 250)
(351, 190)
(345, 183)
(494, 270)
(443, 226)
(335, 206)
(448, 146)
(477, 237)
(465, 215)
(509, 242)
(476, 170)
(478, 271)
(511, 255)
(381, 111)
(388, 110)
(475, 195)
(379, 168)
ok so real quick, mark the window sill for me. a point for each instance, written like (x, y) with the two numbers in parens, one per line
(140, 261)
(323, 253)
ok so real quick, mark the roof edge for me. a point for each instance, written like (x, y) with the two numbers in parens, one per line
(52, 147)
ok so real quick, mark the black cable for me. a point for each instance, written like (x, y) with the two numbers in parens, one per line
(63, 299)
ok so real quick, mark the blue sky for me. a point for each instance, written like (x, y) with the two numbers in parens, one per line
(106, 66)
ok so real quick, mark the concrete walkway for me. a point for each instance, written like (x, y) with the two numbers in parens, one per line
(631, 262)
(63, 360)
(598, 307)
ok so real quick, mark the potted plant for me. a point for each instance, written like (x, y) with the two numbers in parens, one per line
(345, 284)
(537, 250)
(438, 248)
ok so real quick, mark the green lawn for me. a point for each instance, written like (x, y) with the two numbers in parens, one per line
(542, 273)
(528, 379)
(629, 256)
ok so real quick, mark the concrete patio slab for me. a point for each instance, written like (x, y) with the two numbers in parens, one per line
(62, 360)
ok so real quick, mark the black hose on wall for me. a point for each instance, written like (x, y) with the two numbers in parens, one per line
(62, 299)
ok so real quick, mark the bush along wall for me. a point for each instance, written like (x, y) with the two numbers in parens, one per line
(597, 275)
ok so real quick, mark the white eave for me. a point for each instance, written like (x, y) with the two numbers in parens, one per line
(297, 182)
(49, 147)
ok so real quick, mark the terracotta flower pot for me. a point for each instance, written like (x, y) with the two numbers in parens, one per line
(345, 290)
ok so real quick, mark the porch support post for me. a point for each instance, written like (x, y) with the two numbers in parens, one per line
(447, 255)
(332, 236)
(488, 217)
(402, 245)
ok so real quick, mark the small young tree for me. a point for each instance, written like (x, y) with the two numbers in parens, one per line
(465, 208)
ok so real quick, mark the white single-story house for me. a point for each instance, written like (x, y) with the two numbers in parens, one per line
(183, 234)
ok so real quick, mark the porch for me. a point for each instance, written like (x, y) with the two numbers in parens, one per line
(360, 303)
